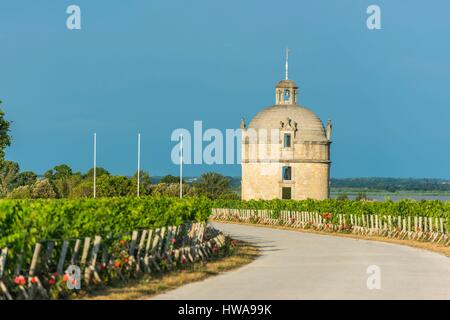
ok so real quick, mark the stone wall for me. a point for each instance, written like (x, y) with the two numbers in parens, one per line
(262, 172)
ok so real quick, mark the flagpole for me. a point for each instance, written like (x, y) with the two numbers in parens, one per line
(139, 164)
(95, 163)
(181, 166)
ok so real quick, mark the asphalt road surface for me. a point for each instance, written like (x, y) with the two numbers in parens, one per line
(296, 265)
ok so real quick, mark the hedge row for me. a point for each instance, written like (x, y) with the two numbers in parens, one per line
(23, 222)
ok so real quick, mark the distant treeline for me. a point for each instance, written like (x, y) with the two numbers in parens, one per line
(392, 184)
(382, 184)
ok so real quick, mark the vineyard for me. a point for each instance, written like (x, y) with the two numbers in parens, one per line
(120, 238)
(407, 219)
(107, 239)
(24, 222)
(403, 208)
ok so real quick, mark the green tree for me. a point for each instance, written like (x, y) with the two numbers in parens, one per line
(62, 171)
(114, 186)
(213, 185)
(170, 179)
(21, 192)
(145, 182)
(64, 186)
(43, 189)
(5, 138)
(84, 189)
(172, 190)
(58, 172)
(8, 174)
(63, 180)
(99, 171)
(26, 178)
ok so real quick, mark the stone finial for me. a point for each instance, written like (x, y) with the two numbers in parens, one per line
(243, 125)
(329, 129)
(289, 124)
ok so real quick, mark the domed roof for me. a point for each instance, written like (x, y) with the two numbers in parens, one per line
(287, 83)
(310, 127)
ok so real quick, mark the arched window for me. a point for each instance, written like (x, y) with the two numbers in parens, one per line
(287, 140)
(287, 96)
(287, 173)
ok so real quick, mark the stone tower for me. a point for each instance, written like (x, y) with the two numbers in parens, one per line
(286, 150)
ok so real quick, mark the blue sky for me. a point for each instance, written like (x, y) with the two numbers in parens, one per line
(154, 66)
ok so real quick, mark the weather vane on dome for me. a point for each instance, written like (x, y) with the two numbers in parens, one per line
(287, 63)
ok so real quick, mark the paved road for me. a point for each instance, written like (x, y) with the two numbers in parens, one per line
(298, 265)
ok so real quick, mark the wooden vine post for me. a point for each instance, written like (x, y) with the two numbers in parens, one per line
(3, 288)
(34, 283)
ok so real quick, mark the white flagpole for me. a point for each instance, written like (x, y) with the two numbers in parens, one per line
(95, 163)
(139, 164)
(181, 166)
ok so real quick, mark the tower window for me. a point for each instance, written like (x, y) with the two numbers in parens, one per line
(287, 96)
(287, 140)
(287, 173)
(286, 193)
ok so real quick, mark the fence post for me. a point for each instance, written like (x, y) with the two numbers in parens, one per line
(148, 248)
(76, 251)
(3, 288)
(154, 251)
(48, 255)
(3, 255)
(409, 226)
(19, 262)
(155, 244)
(134, 236)
(84, 254)
(162, 238)
(31, 274)
(140, 249)
(91, 269)
(62, 257)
